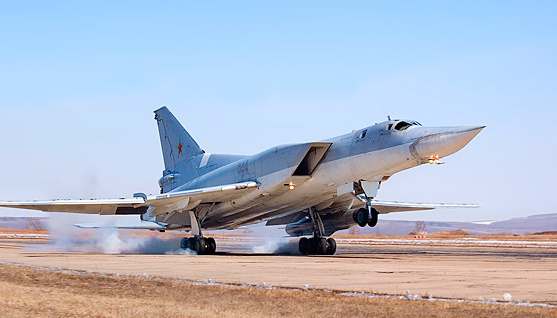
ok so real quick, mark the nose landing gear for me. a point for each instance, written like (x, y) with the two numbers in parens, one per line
(373, 216)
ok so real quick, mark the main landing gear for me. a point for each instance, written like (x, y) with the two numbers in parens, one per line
(199, 244)
(317, 245)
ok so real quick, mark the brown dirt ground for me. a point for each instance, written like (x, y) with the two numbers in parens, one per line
(27, 292)
(27, 231)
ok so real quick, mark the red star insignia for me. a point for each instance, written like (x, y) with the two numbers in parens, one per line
(180, 148)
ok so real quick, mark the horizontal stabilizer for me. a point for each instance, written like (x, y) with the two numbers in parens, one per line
(86, 206)
(385, 207)
(130, 225)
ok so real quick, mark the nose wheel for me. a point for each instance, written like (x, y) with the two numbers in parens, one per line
(373, 217)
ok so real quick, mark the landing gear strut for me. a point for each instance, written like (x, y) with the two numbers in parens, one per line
(369, 190)
(198, 243)
(317, 245)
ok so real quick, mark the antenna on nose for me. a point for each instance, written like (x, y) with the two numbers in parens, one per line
(389, 118)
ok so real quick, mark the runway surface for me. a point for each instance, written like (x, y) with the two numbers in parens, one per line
(441, 270)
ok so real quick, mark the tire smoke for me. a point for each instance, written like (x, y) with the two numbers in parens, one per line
(65, 237)
(272, 240)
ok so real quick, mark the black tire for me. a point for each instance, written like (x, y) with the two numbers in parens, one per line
(190, 243)
(200, 245)
(303, 245)
(373, 218)
(312, 246)
(331, 246)
(361, 217)
(211, 245)
(184, 243)
(321, 246)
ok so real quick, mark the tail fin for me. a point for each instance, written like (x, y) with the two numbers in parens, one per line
(177, 145)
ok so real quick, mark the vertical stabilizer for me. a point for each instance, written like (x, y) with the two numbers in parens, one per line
(176, 143)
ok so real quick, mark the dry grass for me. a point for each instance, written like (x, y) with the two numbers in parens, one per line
(27, 292)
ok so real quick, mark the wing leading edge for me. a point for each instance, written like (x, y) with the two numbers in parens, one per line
(163, 203)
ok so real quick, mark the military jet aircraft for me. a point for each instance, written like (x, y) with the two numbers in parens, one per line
(314, 189)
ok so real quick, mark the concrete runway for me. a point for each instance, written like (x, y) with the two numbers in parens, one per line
(468, 272)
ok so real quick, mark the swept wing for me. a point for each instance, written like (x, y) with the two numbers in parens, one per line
(162, 203)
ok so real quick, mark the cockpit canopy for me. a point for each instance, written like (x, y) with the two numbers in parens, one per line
(401, 125)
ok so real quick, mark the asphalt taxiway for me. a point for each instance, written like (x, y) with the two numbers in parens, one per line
(470, 272)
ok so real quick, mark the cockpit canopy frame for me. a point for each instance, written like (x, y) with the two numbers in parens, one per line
(401, 125)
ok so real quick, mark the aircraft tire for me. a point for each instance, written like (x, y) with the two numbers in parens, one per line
(211, 245)
(303, 245)
(200, 245)
(331, 246)
(321, 246)
(373, 218)
(184, 243)
(312, 246)
(190, 243)
(361, 217)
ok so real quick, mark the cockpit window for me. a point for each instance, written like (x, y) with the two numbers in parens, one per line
(403, 125)
(363, 134)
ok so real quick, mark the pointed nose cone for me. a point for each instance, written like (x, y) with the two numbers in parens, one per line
(443, 141)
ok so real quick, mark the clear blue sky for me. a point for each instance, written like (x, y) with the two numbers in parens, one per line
(79, 82)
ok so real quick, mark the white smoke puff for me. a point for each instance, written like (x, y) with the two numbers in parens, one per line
(272, 245)
(110, 242)
(181, 251)
(66, 237)
(507, 297)
(267, 246)
(277, 246)
(113, 241)
(272, 240)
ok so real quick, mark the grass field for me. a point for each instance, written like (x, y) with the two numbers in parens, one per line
(29, 292)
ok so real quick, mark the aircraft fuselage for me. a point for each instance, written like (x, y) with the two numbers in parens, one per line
(289, 180)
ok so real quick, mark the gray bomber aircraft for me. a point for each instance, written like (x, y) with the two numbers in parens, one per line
(314, 188)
